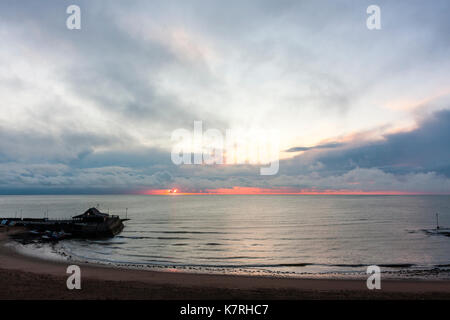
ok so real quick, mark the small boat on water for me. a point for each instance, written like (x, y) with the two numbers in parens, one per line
(439, 230)
(90, 224)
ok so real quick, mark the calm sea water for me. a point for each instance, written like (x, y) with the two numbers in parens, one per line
(292, 235)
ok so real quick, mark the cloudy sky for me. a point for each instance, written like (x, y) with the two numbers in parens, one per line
(93, 110)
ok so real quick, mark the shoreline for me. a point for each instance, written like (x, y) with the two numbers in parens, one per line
(420, 274)
(25, 277)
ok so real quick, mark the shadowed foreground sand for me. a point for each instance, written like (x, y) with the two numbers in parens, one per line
(23, 277)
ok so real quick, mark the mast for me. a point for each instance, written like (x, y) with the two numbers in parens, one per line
(437, 221)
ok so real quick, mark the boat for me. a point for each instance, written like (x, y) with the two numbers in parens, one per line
(439, 230)
(90, 224)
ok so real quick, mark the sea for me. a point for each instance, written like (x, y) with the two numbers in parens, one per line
(310, 236)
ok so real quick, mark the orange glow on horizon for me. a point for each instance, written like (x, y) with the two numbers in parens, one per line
(269, 191)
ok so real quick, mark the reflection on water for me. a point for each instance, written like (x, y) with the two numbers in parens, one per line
(270, 233)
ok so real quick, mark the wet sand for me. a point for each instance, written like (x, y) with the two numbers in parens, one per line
(24, 277)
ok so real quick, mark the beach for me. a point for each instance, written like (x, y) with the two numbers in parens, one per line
(24, 277)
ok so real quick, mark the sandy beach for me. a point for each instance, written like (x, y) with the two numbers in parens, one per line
(24, 277)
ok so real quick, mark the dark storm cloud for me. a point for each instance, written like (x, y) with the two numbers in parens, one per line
(330, 145)
(140, 158)
(35, 146)
(425, 149)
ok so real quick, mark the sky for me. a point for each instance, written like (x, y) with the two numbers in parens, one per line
(93, 110)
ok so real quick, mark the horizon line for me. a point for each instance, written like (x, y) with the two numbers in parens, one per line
(280, 191)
